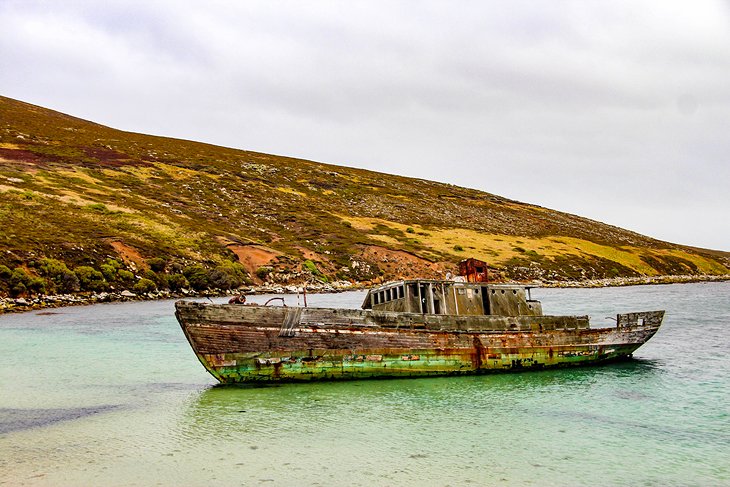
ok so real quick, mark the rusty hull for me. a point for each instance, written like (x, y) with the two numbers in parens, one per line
(240, 344)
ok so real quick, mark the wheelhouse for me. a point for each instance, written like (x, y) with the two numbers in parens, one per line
(453, 298)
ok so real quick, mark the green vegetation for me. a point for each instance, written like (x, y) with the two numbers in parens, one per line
(85, 208)
(145, 286)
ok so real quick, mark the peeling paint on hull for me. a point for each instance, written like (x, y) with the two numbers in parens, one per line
(238, 344)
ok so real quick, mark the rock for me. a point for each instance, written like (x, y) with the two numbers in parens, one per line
(127, 294)
(21, 302)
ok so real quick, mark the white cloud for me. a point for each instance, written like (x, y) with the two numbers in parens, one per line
(612, 110)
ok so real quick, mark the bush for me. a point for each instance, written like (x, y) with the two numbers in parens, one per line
(157, 264)
(68, 283)
(145, 286)
(5, 272)
(18, 289)
(37, 284)
(197, 277)
(59, 278)
(410, 230)
(310, 266)
(228, 275)
(263, 272)
(51, 267)
(176, 282)
(161, 281)
(90, 279)
(458, 248)
(109, 272)
(125, 276)
(20, 282)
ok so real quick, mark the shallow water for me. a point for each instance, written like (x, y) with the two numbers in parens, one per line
(112, 395)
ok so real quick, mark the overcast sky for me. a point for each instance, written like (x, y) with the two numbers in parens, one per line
(614, 110)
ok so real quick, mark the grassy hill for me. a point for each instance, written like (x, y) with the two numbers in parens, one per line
(77, 197)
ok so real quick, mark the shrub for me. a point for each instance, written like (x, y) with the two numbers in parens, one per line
(5, 272)
(90, 279)
(150, 274)
(458, 248)
(176, 282)
(157, 264)
(228, 275)
(37, 284)
(161, 281)
(410, 230)
(51, 267)
(59, 278)
(68, 283)
(18, 289)
(109, 272)
(310, 266)
(220, 279)
(197, 276)
(145, 286)
(125, 276)
(263, 272)
(19, 281)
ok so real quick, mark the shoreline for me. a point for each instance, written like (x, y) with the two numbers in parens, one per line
(21, 305)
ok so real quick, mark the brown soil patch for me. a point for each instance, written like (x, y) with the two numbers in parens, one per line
(251, 256)
(323, 262)
(398, 264)
(129, 255)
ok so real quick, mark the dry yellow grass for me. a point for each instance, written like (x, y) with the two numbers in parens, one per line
(498, 249)
(175, 172)
(290, 191)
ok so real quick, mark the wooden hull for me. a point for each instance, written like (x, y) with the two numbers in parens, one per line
(243, 344)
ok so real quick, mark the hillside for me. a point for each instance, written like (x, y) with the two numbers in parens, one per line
(123, 206)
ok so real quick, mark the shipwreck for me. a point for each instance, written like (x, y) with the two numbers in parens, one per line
(410, 328)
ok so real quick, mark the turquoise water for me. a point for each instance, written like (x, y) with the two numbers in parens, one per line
(112, 395)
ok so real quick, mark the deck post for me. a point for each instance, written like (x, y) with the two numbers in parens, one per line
(430, 297)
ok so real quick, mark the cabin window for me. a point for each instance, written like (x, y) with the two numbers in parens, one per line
(476, 291)
(388, 296)
(514, 291)
(461, 291)
(493, 291)
(382, 296)
(401, 291)
(375, 299)
(414, 289)
(502, 291)
(480, 270)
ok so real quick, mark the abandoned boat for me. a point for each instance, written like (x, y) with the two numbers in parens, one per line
(411, 328)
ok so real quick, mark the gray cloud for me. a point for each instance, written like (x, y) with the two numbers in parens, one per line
(612, 110)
